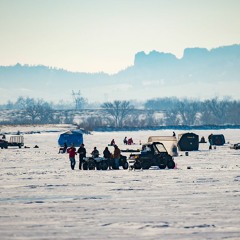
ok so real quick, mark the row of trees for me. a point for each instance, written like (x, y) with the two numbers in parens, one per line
(208, 112)
(35, 111)
(123, 113)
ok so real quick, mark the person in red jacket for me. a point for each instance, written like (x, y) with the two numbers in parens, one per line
(72, 153)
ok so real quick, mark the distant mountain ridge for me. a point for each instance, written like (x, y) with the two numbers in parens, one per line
(155, 74)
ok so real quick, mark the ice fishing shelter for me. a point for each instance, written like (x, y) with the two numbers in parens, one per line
(71, 137)
(188, 142)
(218, 139)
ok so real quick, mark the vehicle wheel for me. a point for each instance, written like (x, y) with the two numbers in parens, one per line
(145, 165)
(85, 166)
(19, 146)
(162, 166)
(171, 164)
(125, 165)
(91, 166)
(98, 166)
(104, 165)
(137, 165)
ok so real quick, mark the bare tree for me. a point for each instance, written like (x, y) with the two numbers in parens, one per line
(214, 111)
(118, 110)
(184, 112)
(45, 113)
(172, 118)
(234, 113)
(31, 110)
(188, 112)
(37, 111)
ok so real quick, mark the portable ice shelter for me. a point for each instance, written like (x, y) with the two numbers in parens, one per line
(218, 139)
(170, 143)
(188, 142)
(71, 137)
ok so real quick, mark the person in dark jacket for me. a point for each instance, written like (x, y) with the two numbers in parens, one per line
(63, 149)
(95, 153)
(82, 154)
(107, 154)
(210, 140)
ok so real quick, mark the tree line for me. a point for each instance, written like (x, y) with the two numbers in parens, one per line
(119, 114)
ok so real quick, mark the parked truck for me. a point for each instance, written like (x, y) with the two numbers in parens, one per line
(14, 141)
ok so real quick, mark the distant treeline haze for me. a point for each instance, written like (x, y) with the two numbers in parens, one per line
(121, 114)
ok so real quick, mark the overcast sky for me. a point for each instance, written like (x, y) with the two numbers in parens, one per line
(104, 35)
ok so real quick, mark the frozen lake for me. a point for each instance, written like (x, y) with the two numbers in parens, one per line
(42, 198)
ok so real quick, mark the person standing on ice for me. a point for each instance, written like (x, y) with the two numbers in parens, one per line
(112, 142)
(116, 156)
(210, 141)
(82, 154)
(107, 154)
(72, 152)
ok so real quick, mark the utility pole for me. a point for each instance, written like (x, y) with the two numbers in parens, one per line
(78, 100)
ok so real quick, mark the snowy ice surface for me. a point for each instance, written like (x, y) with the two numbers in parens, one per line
(42, 198)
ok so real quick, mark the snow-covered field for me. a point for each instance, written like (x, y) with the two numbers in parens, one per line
(42, 198)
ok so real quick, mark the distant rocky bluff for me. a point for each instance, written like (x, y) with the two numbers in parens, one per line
(154, 72)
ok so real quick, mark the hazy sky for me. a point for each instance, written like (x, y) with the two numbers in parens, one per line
(104, 35)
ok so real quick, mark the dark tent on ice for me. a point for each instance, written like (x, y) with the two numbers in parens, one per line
(71, 137)
(188, 142)
(218, 139)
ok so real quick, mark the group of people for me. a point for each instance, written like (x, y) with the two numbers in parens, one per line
(125, 141)
(95, 154)
(72, 152)
(128, 141)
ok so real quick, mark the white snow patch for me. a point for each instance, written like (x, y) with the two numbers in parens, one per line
(41, 198)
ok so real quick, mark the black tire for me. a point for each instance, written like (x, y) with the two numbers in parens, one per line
(137, 165)
(91, 165)
(171, 164)
(162, 166)
(145, 165)
(104, 165)
(85, 166)
(125, 165)
(98, 166)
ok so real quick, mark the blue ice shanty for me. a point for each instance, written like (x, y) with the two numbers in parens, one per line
(71, 137)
